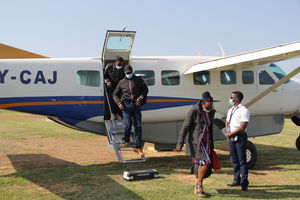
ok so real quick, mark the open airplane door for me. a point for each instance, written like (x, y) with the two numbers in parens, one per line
(116, 44)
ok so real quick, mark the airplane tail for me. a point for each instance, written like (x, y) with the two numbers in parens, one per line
(9, 52)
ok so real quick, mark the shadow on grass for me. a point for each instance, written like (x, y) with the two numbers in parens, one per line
(72, 181)
(269, 157)
(263, 192)
(104, 181)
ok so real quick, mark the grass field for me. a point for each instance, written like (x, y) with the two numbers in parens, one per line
(40, 159)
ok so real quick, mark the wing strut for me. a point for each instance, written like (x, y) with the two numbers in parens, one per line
(274, 86)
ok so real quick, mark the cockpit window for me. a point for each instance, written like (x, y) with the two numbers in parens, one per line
(279, 73)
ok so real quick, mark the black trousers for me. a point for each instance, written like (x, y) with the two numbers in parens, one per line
(114, 107)
(238, 158)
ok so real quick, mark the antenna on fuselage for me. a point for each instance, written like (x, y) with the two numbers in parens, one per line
(198, 52)
(221, 49)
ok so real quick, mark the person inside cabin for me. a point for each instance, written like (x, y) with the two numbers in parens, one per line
(130, 94)
(113, 73)
(199, 123)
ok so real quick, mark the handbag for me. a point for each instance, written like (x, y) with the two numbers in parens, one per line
(215, 161)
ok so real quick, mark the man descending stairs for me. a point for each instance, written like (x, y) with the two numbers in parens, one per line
(130, 94)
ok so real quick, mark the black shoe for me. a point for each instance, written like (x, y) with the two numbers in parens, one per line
(234, 184)
(244, 187)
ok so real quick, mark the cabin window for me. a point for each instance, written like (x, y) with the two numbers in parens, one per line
(228, 77)
(88, 78)
(248, 77)
(201, 78)
(146, 75)
(279, 73)
(265, 78)
(170, 77)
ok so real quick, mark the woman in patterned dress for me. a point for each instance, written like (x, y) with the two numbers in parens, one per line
(198, 123)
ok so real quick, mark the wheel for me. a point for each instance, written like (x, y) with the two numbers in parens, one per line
(251, 155)
(298, 142)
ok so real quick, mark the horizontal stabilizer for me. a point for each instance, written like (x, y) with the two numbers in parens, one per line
(8, 52)
(259, 57)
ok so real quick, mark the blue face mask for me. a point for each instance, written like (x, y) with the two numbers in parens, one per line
(231, 102)
(129, 76)
(119, 67)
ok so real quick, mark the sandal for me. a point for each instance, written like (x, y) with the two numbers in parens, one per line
(199, 193)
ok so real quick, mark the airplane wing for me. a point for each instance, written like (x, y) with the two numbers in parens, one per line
(259, 57)
(8, 52)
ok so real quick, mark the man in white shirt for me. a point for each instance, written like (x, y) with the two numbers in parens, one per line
(238, 117)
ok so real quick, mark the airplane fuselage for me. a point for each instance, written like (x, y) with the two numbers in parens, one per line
(64, 89)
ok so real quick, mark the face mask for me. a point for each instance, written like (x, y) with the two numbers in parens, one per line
(231, 102)
(129, 76)
(207, 110)
(119, 67)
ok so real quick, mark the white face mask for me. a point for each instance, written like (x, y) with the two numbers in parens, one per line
(119, 66)
(129, 76)
(206, 110)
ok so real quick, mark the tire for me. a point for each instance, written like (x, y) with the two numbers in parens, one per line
(298, 142)
(251, 155)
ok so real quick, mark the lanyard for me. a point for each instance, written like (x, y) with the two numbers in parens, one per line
(232, 112)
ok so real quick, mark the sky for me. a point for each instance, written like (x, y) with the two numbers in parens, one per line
(76, 28)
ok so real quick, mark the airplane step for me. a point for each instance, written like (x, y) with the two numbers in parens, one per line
(115, 133)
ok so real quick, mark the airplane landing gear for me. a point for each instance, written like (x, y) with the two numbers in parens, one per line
(296, 121)
(251, 155)
(298, 142)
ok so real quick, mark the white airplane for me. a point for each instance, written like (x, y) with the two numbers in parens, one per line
(70, 91)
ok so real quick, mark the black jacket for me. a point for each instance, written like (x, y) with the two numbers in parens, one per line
(112, 74)
(130, 89)
(193, 126)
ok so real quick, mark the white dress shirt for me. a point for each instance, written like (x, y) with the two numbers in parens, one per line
(238, 114)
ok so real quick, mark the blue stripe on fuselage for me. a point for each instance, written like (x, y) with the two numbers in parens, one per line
(85, 110)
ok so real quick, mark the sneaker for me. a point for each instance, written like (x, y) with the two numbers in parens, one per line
(139, 151)
(125, 144)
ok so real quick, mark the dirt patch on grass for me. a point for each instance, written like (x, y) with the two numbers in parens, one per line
(62, 187)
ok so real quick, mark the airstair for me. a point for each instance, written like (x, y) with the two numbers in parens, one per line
(117, 43)
(115, 132)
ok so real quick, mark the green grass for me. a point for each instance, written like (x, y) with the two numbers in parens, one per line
(19, 125)
(276, 175)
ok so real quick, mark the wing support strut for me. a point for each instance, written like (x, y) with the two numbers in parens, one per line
(274, 86)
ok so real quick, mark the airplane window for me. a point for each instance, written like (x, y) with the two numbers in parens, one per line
(88, 78)
(248, 77)
(201, 78)
(170, 77)
(265, 78)
(146, 75)
(279, 73)
(228, 77)
(119, 43)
